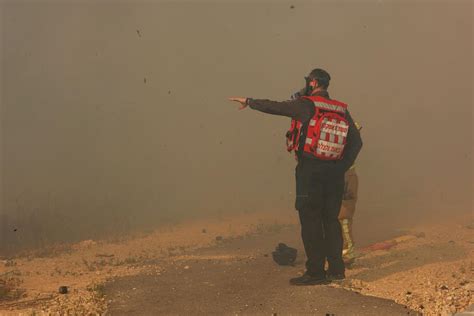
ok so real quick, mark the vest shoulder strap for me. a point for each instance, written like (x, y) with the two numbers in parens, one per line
(328, 104)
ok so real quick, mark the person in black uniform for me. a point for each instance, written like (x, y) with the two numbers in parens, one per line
(322, 163)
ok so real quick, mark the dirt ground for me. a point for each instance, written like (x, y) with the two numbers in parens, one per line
(428, 269)
(238, 277)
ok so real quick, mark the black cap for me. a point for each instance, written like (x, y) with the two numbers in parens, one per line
(322, 76)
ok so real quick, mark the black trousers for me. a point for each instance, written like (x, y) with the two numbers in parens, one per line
(319, 193)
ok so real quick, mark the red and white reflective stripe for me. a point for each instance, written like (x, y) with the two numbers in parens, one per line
(330, 107)
(329, 148)
(334, 127)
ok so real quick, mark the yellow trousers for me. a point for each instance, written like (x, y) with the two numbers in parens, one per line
(347, 213)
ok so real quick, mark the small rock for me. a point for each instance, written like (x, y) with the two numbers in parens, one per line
(85, 244)
(469, 287)
(443, 287)
(186, 267)
(292, 6)
(204, 231)
(218, 238)
(63, 289)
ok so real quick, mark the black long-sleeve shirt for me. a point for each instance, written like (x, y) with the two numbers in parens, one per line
(303, 110)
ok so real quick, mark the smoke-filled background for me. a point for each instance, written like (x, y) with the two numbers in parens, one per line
(114, 116)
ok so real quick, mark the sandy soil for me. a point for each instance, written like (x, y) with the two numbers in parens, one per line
(428, 268)
(431, 273)
(85, 266)
(238, 277)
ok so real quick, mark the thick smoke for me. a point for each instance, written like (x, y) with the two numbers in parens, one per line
(114, 116)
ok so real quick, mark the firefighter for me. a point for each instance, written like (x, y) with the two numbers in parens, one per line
(349, 200)
(326, 143)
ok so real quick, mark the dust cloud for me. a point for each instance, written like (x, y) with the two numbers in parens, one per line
(114, 116)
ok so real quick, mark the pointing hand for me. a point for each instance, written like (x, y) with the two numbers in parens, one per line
(242, 101)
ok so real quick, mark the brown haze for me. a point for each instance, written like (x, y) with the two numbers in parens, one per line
(114, 115)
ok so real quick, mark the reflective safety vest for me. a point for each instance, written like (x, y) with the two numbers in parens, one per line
(326, 132)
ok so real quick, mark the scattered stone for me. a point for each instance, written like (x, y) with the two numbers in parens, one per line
(85, 244)
(186, 267)
(443, 287)
(218, 238)
(292, 6)
(104, 255)
(204, 231)
(63, 289)
(469, 287)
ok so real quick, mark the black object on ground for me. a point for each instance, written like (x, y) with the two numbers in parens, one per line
(284, 255)
(63, 289)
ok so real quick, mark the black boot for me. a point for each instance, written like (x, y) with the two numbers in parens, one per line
(307, 279)
(336, 276)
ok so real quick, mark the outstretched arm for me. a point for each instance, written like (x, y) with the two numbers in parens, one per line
(299, 109)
